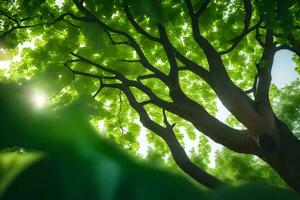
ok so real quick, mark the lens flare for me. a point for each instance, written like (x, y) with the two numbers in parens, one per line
(39, 100)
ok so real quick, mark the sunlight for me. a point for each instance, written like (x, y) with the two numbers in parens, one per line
(101, 126)
(39, 100)
(59, 3)
(143, 141)
(107, 105)
(5, 65)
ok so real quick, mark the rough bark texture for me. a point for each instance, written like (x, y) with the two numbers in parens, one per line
(286, 157)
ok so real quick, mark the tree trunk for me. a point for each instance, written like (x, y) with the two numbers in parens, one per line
(286, 159)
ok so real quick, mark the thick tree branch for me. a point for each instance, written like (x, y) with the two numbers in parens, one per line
(248, 14)
(167, 134)
(288, 47)
(200, 71)
(171, 52)
(262, 102)
(191, 111)
(202, 8)
(232, 97)
(295, 44)
(173, 72)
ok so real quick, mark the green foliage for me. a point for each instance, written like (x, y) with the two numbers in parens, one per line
(287, 106)
(201, 158)
(280, 15)
(251, 191)
(12, 164)
(237, 168)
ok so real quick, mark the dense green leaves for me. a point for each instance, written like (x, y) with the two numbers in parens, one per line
(287, 106)
(234, 168)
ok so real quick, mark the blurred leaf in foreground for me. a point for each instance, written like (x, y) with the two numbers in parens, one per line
(79, 164)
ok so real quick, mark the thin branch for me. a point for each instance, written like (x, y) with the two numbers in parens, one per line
(113, 41)
(99, 89)
(143, 103)
(137, 27)
(131, 41)
(202, 8)
(148, 76)
(53, 96)
(119, 76)
(173, 73)
(167, 123)
(239, 38)
(193, 67)
(257, 37)
(119, 112)
(129, 61)
(246, 30)
(18, 26)
(85, 73)
(28, 18)
(249, 91)
(12, 29)
(9, 17)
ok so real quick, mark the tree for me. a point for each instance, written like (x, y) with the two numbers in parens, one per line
(170, 71)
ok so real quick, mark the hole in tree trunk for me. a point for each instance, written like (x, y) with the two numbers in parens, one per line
(267, 143)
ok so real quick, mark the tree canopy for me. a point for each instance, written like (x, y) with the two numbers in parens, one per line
(161, 66)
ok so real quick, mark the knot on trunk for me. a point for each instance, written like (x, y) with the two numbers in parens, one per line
(267, 143)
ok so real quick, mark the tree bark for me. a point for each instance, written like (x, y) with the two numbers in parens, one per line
(286, 158)
(180, 157)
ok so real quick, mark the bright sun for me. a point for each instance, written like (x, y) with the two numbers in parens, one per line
(39, 100)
